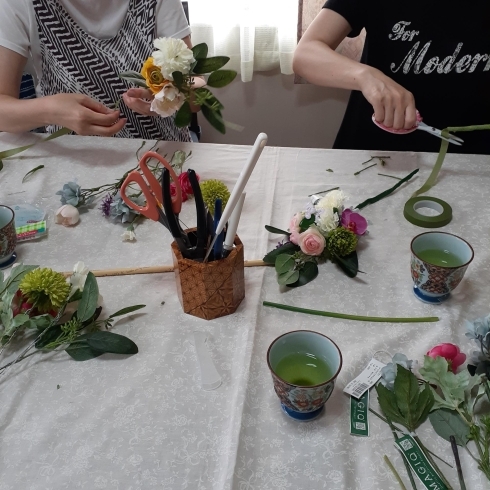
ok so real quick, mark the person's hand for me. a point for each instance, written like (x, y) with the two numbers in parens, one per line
(139, 100)
(394, 107)
(83, 115)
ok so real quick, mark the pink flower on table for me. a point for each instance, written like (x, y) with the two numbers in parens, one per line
(354, 222)
(173, 192)
(185, 183)
(311, 242)
(451, 353)
(294, 228)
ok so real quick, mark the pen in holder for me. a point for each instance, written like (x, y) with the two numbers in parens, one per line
(211, 289)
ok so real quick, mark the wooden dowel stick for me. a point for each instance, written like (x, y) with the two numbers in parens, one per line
(158, 269)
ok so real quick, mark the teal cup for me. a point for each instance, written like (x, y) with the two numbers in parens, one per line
(438, 263)
(304, 366)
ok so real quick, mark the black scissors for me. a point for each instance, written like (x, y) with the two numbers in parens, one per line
(191, 245)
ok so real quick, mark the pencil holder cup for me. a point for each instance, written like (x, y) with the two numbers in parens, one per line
(212, 289)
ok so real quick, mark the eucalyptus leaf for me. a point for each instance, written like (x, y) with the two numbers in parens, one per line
(200, 51)
(221, 78)
(209, 65)
(184, 115)
(288, 247)
(111, 342)
(349, 264)
(288, 277)
(306, 274)
(50, 335)
(40, 322)
(284, 263)
(214, 118)
(35, 169)
(131, 74)
(11, 285)
(277, 231)
(90, 296)
(80, 350)
(449, 423)
(128, 309)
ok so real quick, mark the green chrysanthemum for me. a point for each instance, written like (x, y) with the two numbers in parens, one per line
(341, 242)
(214, 189)
(45, 289)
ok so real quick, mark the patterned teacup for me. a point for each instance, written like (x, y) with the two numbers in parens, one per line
(439, 261)
(8, 237)
(304, 366)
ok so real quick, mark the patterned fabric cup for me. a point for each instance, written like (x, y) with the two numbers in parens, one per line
(304, 401)
(8, 237)
(439, 261)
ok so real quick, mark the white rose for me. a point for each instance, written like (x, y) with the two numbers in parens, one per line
(172, 55)
(334, 199)
(168, 101)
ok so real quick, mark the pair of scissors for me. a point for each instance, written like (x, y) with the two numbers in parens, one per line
(424, 127)
(152, 190)
(191, 245)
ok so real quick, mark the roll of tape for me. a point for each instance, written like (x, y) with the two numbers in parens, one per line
(443, 208)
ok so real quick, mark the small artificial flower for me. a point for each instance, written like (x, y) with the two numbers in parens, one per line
(45, 289)
(341, 242)
(120, 209)
(294, 228)
(71, 194)
(172, 55)
(67, 215)
(214, 189)
(334, 199)
(78, 278)
(185, 184)
(129, 235)
(451, 353)
(173, 192)
(105, 206)
(312, 242)
(388, 373)
(153, 76)
(168, 101)
(479, 330)
(354, 222)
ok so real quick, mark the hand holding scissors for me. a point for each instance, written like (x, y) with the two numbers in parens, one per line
(152, 190)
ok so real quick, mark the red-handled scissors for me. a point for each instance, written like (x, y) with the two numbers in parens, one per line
(151, 189)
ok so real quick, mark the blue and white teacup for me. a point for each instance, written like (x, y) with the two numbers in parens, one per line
(300, 401)
(438, 264)
(8, 237)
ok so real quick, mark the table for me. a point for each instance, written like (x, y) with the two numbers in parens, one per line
(143, 422)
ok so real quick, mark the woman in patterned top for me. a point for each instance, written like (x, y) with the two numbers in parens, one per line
(76, 49)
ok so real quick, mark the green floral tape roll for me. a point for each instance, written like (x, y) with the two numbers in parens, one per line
(444, 210)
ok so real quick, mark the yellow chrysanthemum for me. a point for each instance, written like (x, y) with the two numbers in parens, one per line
(214, 189)
(45, 289)
(153, 76)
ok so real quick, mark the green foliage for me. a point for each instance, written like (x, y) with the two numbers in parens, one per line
(349, 264)
(12, 283)
(214, 118)
(277, 231)
(288, 247)
(178, 79)
(90, 296)
(184, 115)
(209, 65)
(221, 78)
(449, 423)
(200, 51)
(306, 223)
(35, 169)
(406, 405)
(307, 273)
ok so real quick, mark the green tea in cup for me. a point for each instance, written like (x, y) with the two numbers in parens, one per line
(303, 369)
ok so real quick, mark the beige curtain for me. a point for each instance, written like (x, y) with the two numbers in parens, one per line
(350, 47)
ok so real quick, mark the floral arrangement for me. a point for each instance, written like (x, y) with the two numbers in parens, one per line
(169, 74)
(325, 230)
(53, 314)
(445, 395)
(112, 206)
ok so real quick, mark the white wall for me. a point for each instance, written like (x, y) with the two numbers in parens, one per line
(292, 115)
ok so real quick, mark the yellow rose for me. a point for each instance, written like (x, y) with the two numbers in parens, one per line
(153, 76)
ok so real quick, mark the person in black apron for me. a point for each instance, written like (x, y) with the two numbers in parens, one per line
(429, 56)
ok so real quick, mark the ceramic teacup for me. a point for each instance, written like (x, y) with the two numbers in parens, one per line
(304, 366)
(439, 261)
(8, 237)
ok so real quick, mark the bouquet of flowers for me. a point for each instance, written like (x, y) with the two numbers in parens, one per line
(169, 74)
(324, 230)
(53, 313)
(448, 398)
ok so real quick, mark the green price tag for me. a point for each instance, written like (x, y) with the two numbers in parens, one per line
(419, 464)
(359, 425)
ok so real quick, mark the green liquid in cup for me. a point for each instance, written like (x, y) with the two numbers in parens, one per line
(442, 258)
(303, 369)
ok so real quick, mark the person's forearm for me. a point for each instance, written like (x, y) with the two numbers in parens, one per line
(20, 115)
(321, 65)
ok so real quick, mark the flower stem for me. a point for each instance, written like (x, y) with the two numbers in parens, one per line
(324, 192)
(458, 462)
(17, 360)
(395, 473)
(362, 170)
(433, 463)
(352, 317)
(392, 176)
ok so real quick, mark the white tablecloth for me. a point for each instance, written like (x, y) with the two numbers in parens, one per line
(143, 422)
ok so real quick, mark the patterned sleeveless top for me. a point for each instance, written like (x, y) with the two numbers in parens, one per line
(75, 62)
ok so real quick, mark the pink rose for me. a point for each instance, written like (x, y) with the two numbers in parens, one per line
(185, 183)
(451, 353)
(294, 228)
(311, 242)
(173, 192)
